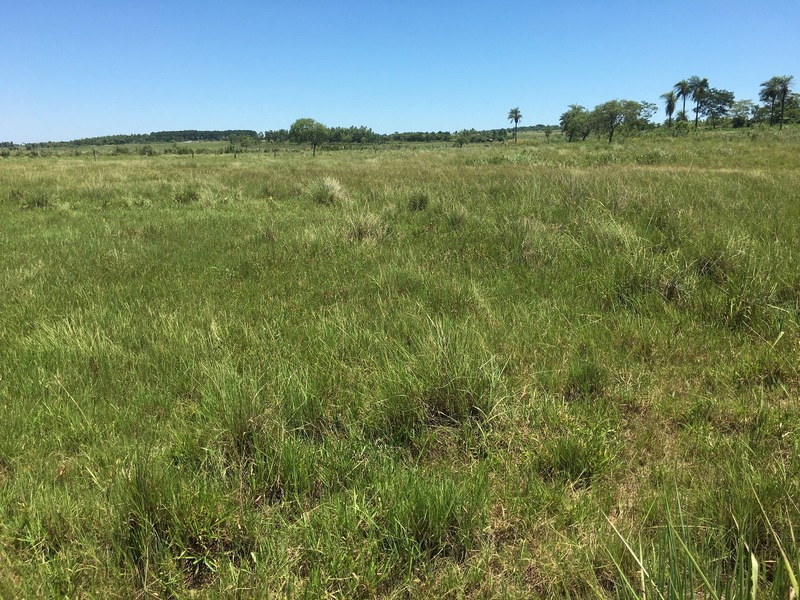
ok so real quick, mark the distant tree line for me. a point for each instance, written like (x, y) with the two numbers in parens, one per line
(716, 106)
(419, 136)
(244, 138)
(779, 105)
(189, 135)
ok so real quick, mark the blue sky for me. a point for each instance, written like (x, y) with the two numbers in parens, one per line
(86, 68)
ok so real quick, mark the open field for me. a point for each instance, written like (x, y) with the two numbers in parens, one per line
(521, 371)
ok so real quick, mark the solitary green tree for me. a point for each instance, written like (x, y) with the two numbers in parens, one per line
(783, 87)
(670, 100)
(768, 95)
(682, 90)
(698, 88)
(716, 104)
(742, 112)
(575, 122)
(606, 117)
(308, 131)
(515, 117)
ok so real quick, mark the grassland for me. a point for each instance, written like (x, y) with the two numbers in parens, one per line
(530, 370)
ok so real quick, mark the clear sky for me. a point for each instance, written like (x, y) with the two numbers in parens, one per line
(83, 68)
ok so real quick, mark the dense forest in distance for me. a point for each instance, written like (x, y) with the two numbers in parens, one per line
(716, 107)
(243, 137)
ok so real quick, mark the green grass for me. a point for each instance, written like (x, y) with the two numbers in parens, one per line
(531, 370)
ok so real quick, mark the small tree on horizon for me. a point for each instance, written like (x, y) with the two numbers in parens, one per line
(768, 95)
(575, 122)
(308, 131)
(682, 90)
(716, 104)
(783, 87)
(515, 116)
(698, 88)
(606, 117)
(742, 112)
(670, 100)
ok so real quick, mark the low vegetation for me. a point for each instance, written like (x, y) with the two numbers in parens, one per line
(521, 370)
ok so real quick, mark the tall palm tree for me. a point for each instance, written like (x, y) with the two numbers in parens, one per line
(515, 116)
(769, 94)
(670, 100)
(698, 88)
(682, 90)
(784, 86)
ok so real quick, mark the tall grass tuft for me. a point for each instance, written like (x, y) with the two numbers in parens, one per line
(187, 195)
(585, 378)
(147, 522)
(34, 200)
(326, 190)
(447, 382)
(418, 201)
(429, 515)
(675, 564)
(366, 227)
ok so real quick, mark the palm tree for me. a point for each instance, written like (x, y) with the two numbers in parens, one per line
(515, 116)
(682, 90)
(698, 88)
(768, 94)
(670, 99)
(783, 87)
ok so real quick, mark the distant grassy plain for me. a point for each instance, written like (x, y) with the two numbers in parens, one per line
(531, 370)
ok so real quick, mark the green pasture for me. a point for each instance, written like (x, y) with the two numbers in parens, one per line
(506, 370)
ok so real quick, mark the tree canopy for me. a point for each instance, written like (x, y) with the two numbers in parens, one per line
(515, 116)
(697, 88)
(670, 99)
(783, 86)
(308, 131)
(575, 122)
(716, 104)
